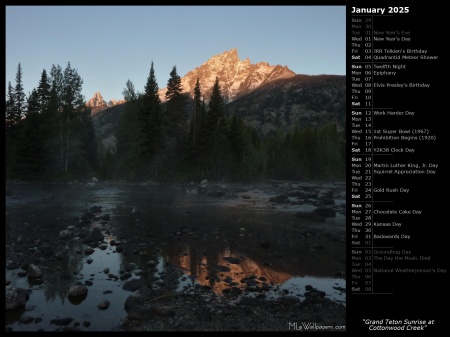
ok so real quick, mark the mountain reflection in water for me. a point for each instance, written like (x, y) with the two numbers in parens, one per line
(216, 242)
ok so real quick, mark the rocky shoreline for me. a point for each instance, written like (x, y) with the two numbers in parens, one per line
(243, 307)
(195, 312)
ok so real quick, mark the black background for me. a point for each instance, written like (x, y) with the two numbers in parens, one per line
(410, 296)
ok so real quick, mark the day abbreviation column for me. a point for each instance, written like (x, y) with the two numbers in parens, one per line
(361, 178)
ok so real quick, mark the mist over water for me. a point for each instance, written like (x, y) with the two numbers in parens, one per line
(217, 242)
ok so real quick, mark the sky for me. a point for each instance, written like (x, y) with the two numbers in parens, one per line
(109, 45)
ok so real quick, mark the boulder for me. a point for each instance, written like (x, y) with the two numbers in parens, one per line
(15, 297)
(34, 272)
(77, 291)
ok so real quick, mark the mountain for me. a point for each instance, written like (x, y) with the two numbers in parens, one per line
(98, 104)
(236, 77)
(113, 102)
(298, 101)
(265, 97)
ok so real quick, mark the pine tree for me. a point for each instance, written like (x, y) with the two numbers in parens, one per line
(194, 146)
(174, 87)
(72, 104)
(53, 127)
(57, 132)
(151, 116)
(64, 115)
(20, 97)
(196, 121)
(15, 109)
(176, 101)
(57, 81)
(216, 107)
(203, 140)
(33, 106)
(129, 93)
(129, 136)
(10, 105)
(29, 155)
(10, 132)
(215, 135)
(72, 89)
(43, 91)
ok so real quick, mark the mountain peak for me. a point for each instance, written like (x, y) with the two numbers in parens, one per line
(97, 103)
(236, 77)
(233, 53)
(96, 100)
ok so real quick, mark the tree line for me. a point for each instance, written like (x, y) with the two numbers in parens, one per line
(50, 136)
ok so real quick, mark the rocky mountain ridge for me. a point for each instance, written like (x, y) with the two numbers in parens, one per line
(236, 77)
(266, 97)
(298, 101)
(98, 104)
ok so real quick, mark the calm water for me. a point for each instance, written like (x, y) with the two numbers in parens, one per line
(168, 226)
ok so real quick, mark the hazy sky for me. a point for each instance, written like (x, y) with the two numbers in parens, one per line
(110, 44)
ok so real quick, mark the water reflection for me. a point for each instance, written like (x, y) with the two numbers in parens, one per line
(220, 274)
(215, 243)
(246, 274)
